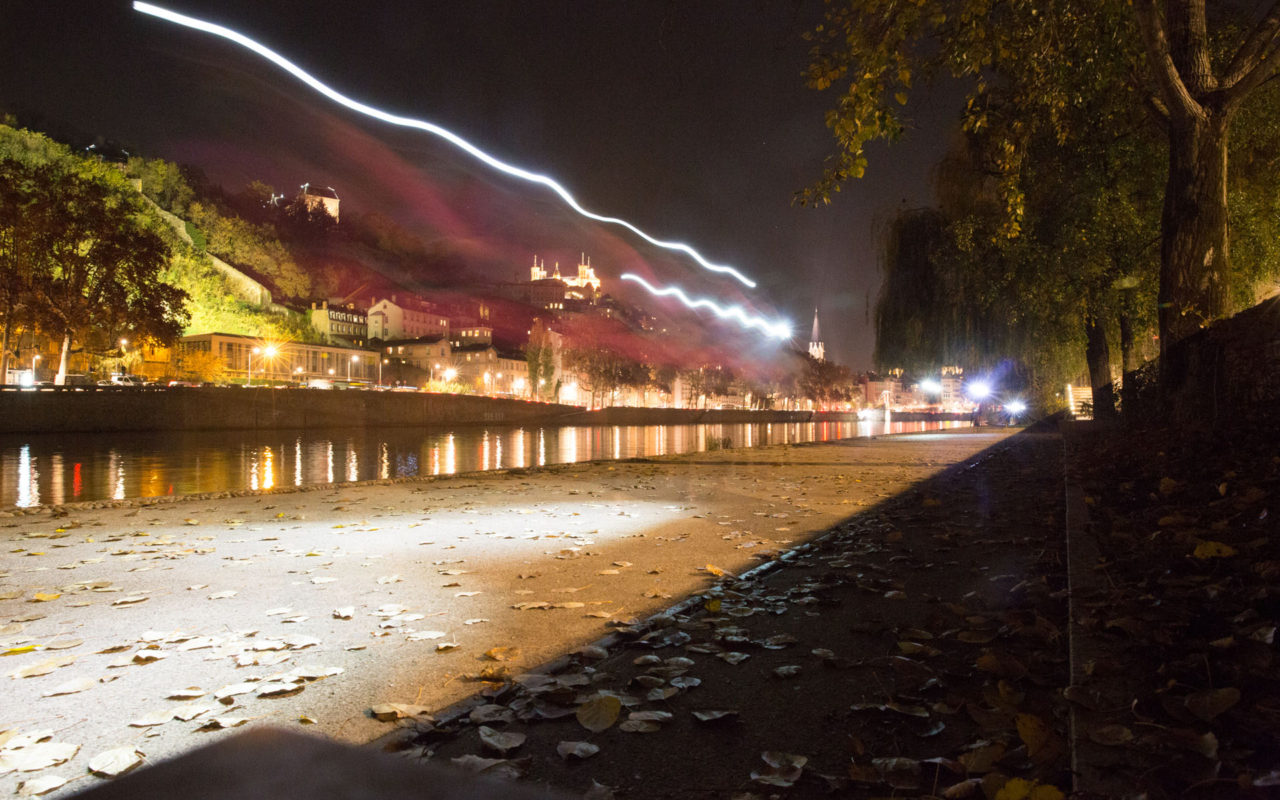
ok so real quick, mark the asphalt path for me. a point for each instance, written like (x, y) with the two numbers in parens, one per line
(154, 628)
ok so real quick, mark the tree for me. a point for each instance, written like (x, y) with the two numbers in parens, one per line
(1031, 64)
(18, 190)
(100, 265)
(539, 356)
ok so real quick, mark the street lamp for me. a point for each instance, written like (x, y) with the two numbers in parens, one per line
(252, 353)
(297, 371)
(34, 359)
(450, 374)
(268, 353)
(353, 360)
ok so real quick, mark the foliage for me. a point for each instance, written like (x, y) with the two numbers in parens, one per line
(1071, 75)
(92, 258)
(824, 381)
(540, 358)
(251, 246)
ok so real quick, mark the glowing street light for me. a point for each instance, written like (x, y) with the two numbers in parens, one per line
(353, 360)
(930, 386)
(450, 374)
(979, 390)
(252, 353)
(1015, 407)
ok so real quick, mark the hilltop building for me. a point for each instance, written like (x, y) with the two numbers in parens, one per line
(816, 348)
(317, 198)
(584, 286)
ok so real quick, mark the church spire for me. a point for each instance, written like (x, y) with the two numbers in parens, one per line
(816, 348)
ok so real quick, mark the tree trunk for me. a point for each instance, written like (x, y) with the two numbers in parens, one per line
(61, 379)
(1098, 355)
(1128, 358)
(1193, 246)
(4, 346)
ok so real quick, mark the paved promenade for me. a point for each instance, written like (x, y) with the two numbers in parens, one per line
(160, 627)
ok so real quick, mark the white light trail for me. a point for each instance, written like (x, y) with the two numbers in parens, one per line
(778, 329)
(409, 122)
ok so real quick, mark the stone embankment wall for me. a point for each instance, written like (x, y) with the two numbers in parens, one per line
(113, 409)
(1230, 372)
(235, 408)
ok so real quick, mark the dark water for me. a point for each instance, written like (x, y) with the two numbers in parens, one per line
(54, 469)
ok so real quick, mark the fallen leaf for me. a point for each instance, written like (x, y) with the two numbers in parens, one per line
(709, 715)
(599, 712)
(501, 743)
(44, 597)
(1110, 735)
(41, 785)
(389, 712)
(1034, 732)
(1210, 703)
(43, 668)
(71, 687)
(569, 750)
(1211, 549)
(36, 756)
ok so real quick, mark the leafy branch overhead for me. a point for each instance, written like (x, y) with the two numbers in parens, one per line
(1073, 74)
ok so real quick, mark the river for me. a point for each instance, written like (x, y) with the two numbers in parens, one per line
(53, 469)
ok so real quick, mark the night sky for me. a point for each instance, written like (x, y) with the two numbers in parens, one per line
(689, 119)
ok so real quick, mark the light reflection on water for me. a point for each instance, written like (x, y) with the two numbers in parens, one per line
(52, 470)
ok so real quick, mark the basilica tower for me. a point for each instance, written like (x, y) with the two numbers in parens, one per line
(816, 348)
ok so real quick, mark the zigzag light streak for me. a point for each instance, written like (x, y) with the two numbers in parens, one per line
(779, 329)
(408, 122)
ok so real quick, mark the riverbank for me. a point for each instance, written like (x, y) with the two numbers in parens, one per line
(306, 610)
(106, 409)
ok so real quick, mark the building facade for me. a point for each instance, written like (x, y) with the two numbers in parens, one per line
(249, 359)
(342, 325)
(405, 318)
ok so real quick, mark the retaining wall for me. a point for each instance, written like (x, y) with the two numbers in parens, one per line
(234, 408)
(114, 409)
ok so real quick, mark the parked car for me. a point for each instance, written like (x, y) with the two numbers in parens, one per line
(125, 380)
(186, 384)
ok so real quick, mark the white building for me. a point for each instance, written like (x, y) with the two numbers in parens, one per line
(407, 318)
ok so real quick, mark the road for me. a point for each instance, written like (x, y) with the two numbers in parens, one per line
(311, 607)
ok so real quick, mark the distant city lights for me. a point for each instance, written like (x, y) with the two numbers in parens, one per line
(778, 329)
(436, 130)
(1015, 407)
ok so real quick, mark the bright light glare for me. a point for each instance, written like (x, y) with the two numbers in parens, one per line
(1015, 407)
(979, 390)
(778, 329)
(930, 386)
(436, 130)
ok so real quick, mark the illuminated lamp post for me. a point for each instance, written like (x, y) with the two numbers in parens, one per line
(297, 371)
(268, 353)
(34, 359)
(353, 360)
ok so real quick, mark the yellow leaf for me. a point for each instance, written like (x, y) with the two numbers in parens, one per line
(13, 651)
(44, 597)
(1045, 791)
(713, 605)
(901, 97)
(1014, 789)
(1211, 549)
(714, 570)
(599, 712)
(1033, 731)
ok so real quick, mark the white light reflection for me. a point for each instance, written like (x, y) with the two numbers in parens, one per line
(115, 467)
(617, 442)
(450, 455)
(519, 447)
(297, 462)
(353, 462)
(484, 451)
(497, 452)
(542, 447)
(568, 445)
(28, 479)
(328, 462)
(384, 462)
